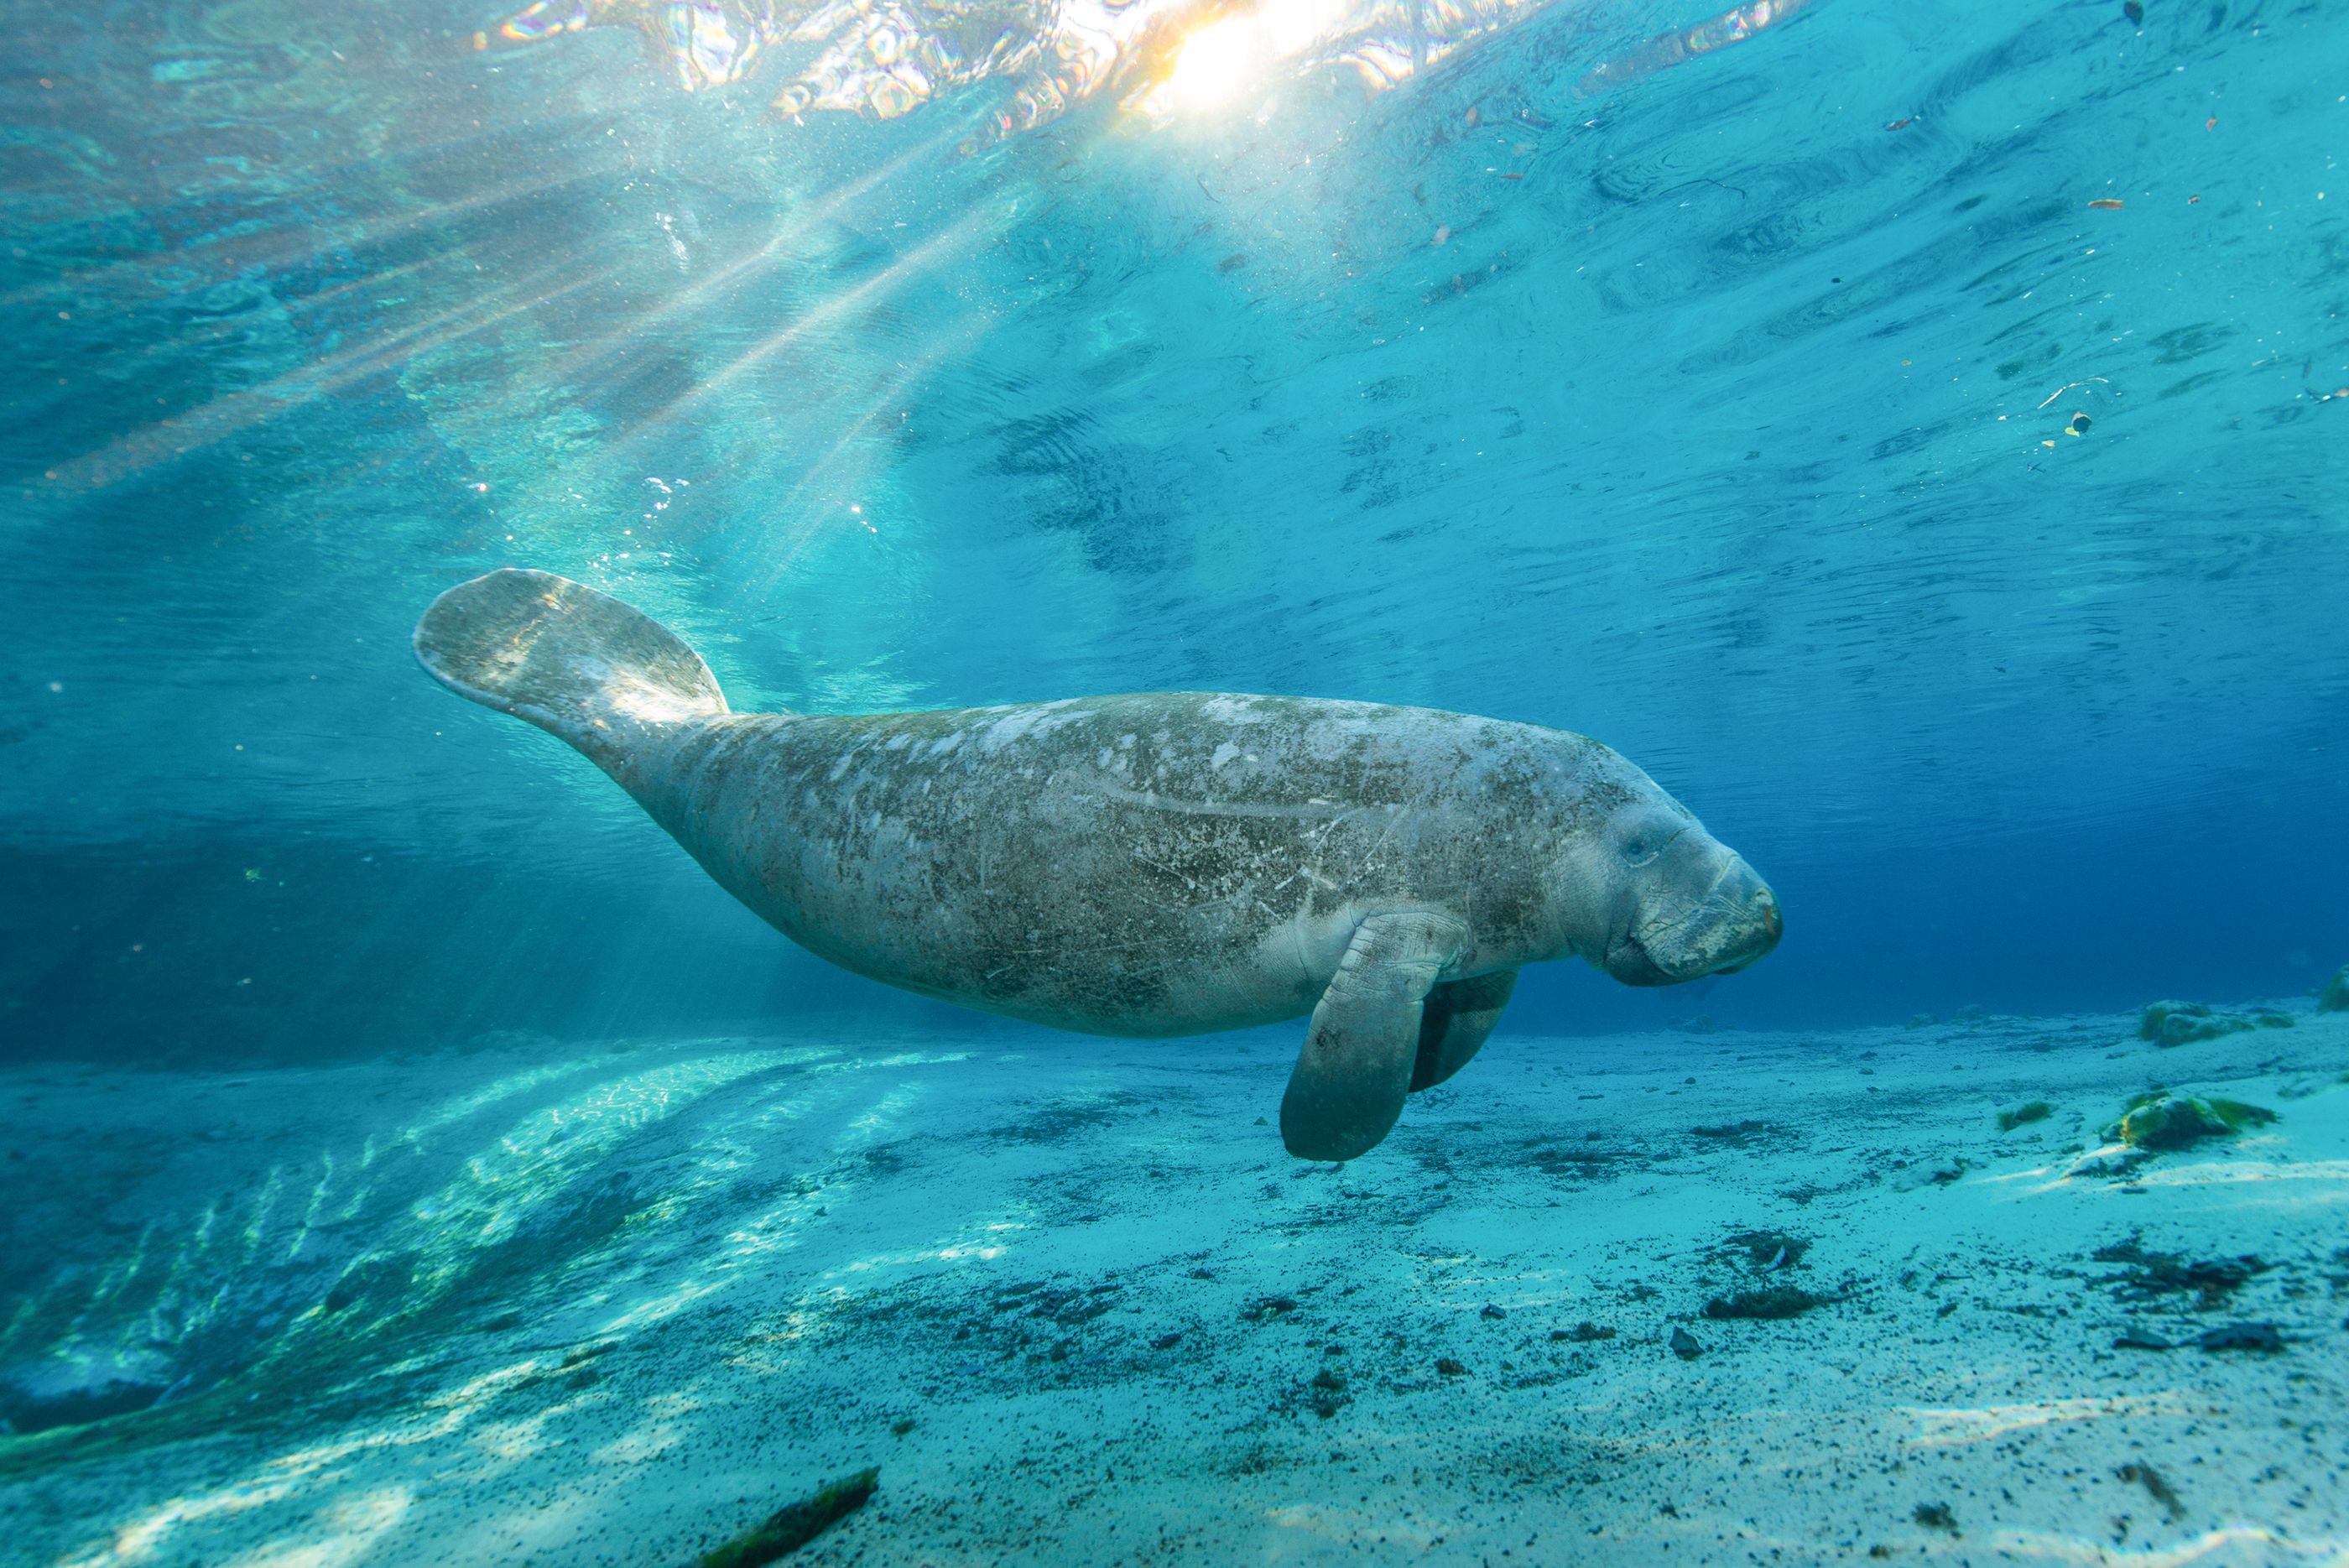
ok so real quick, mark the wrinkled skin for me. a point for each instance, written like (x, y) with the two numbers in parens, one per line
(1176, 863)
(1167, 863)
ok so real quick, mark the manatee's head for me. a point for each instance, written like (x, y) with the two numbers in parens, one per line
(1657, 899)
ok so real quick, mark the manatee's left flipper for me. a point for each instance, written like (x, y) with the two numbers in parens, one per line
(1454, 1021)
(1350, 1081)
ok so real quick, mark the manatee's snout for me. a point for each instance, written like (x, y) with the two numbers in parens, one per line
(1760, 926)
(1732, 923)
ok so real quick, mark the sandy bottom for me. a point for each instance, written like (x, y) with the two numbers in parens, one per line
(536, 1303)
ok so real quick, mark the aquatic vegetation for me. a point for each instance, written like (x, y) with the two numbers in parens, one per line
(794, 1525)
(1771, 1304)
(2028, 1112)
(2335, 997)
(2151, 1275)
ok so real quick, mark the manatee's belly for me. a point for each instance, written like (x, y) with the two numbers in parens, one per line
(1101, 866)
(1068, 907)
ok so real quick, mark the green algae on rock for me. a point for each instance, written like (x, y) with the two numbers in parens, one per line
(2335, 997)
(2181, 1023)
(794, 1526)
(2160, 1121)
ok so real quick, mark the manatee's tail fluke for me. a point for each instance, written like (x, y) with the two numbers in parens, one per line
(569, 659)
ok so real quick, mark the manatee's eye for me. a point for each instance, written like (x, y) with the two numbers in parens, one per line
(1641, 849)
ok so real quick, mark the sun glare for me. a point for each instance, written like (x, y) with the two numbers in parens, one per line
(1218, 62)
(1226, 55)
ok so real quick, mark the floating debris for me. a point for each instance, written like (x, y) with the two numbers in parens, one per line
(2110, 202)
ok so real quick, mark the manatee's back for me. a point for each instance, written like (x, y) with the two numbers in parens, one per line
(1154, 864)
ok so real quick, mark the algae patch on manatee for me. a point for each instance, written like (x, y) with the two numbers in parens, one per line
(792, 1527)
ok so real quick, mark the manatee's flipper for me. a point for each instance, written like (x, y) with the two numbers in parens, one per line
(1458, 1017)
(565, 658)
(1349, 1080)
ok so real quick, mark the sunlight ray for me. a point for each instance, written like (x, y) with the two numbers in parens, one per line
(233, 414)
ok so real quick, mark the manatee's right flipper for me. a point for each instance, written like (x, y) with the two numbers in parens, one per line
(565, 658)
(1453, 1024)
(1351, 1078)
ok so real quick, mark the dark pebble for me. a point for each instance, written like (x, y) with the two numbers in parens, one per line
(2262, 1338)
(1167, 1342)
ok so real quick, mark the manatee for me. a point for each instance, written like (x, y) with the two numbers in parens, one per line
(1154, 864)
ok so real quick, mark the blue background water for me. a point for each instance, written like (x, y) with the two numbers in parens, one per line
(1731, 433)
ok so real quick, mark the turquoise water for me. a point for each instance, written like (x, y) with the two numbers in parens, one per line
(1911, 432)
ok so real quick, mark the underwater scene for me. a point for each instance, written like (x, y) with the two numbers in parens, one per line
(1126, 782)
